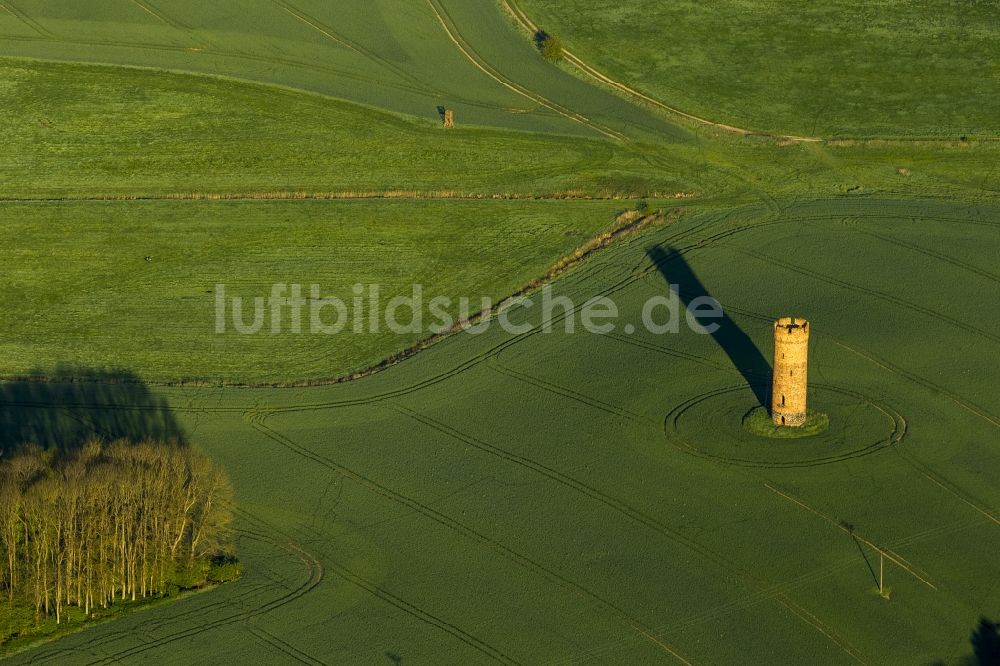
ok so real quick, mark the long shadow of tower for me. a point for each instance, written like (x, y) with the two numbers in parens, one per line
(741, 350)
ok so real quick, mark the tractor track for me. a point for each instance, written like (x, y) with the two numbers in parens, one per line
(450, 523)
(148, 7)
(934, 255)
(816, 275)
(272, 60)
(451, 29)
(763, 591)
(569, 394)
(522, 19)
(339, 38)
(292, 653)
(26, 20)
(315, 576)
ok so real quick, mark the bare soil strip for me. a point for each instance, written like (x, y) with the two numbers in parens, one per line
(576, 195)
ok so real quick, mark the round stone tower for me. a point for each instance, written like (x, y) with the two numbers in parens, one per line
(791, 355)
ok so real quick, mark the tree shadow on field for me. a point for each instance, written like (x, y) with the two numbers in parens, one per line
(985, 643)
(63, 415)
(741, 350)
(985, 640)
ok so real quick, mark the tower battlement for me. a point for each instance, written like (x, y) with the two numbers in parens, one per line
(792, 326)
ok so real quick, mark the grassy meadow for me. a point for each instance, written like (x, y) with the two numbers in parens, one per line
(82, 292)
(89, 132)
(535, 497)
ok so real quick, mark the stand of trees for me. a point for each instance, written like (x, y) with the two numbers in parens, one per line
(107, 522)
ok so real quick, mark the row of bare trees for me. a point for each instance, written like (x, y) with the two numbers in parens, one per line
(106, 522)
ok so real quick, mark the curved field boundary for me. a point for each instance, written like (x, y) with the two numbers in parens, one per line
(383, 594)
(642, 271)
(416, 84)
(315, 578)
(497, 348)
(522, 19)
(452, 31)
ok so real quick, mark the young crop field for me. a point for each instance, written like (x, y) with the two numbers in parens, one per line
(176, 176)
(497, 497)
(841, 68)
(392, 54)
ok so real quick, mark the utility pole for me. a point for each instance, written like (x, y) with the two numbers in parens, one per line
(881, 569)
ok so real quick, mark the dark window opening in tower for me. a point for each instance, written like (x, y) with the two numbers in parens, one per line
(782, 420)
(791, 373)
(782, 402)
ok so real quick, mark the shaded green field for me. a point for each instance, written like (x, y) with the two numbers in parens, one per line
(563, 498)
(893, 68)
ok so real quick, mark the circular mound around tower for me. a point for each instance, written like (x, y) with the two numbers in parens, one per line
(758, 422)
(712, 426)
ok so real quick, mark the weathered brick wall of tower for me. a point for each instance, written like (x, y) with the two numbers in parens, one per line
(791, 355)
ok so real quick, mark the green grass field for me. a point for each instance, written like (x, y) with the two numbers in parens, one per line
(842, 68)
(78, 236)
(80, 290)
(85, 132)
(535, 497)
(389, 54)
